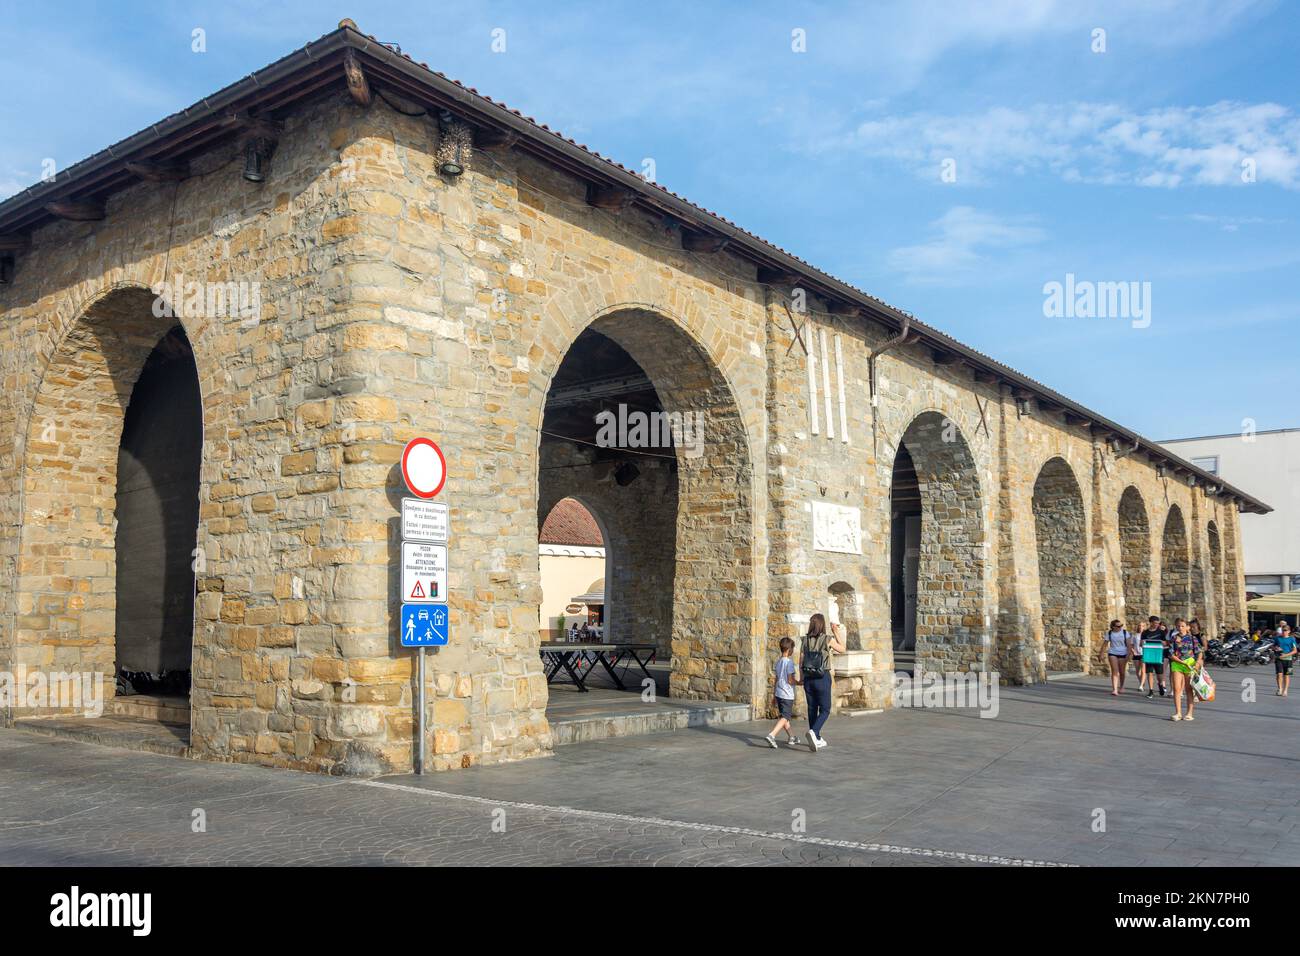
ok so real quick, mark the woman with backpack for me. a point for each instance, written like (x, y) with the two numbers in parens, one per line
(815, 667)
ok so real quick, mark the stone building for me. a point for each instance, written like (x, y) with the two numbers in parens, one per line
(218, 334)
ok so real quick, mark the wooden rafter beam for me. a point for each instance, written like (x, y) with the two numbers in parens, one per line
(492, 137)
(702, 241)
(769, 276)
(611, 198)
(358, 85)
(250, 126)
(847, 309)
(76, 210)
(159, 171)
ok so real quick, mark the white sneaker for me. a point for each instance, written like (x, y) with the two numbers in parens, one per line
(793, 742)
(771, 741)
(821, 743)
(813, 744)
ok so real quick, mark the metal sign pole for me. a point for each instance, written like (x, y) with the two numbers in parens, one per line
(419, 766)
(424, 563)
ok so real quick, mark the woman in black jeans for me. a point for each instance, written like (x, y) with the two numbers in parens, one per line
(815, 668)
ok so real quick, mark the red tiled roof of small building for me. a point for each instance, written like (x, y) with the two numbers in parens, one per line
(569, 523)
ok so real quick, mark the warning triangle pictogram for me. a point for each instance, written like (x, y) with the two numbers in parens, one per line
(417, 591)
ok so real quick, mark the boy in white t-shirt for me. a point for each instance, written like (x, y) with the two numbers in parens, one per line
(785, 679)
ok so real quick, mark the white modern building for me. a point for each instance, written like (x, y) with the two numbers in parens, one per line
(1266, 464)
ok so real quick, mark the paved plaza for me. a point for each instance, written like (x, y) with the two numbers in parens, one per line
(905, 787)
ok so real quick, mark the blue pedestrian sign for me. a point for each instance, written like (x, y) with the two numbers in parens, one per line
(424, 625)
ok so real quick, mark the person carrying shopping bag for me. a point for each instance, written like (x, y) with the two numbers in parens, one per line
(1186, 655)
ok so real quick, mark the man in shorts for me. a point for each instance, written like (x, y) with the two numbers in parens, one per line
(1286, 654)
(1154, 635)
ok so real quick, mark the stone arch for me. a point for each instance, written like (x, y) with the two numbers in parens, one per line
(1175, 568)
(688, 512)
(1135, 557)
(950, 622)
(568, 315)
(68, 606)
(1060, 525)
(1215, 605)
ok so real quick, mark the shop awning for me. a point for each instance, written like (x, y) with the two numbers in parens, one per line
(1288, 602)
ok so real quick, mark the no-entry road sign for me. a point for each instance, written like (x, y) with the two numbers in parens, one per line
(424, 469)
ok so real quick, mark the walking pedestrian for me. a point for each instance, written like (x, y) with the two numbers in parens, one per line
(783, 693)
(1187, 654)
(1135, 655)
(1155, 648)
(815, 668)
(1286, 654)
(1117, 651)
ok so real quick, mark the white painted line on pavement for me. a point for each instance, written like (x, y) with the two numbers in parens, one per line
(715, 828)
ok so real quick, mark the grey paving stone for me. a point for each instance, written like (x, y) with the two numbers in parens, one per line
(1023, 785)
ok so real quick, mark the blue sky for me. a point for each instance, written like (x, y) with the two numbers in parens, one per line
(1118, 166)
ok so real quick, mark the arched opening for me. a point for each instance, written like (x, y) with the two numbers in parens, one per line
(641, 427)
(1135, 558)
(157, 509)
(572, 553)
(937, 550)
(110, 507)
(1175, 568)
(1060, 530)
(1215, 617)
(905, 557)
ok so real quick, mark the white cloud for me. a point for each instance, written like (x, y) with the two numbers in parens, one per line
(1096, 143)
(906, 39)
(1228, 223)
(962, 238)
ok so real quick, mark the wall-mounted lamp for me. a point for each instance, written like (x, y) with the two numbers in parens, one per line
(257, 158)
(1161, 470)
(626, 473)
(1024, 406)
(455, 145)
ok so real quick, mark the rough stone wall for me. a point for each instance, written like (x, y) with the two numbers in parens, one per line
(292, 656)
(1214, 584)
(398, 302)
(1135, 559)
(950, 627)
(1234, 576)
(1200, 565)
(66, 569)
(1175, 569)
(1060, 521)
(487, 281)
